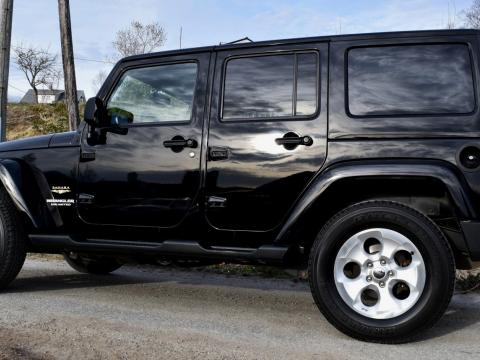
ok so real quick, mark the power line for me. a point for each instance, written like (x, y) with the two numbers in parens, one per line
(92, 60)
(14, 87)
(76, 57)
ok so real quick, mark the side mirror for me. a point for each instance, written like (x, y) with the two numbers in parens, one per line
(103, 121)
(119, 117)
(95, 113)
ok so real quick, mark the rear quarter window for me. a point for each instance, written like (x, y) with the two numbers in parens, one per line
(401, 80)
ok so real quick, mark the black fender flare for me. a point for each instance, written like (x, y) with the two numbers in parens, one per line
(28, 190)
(438, 170)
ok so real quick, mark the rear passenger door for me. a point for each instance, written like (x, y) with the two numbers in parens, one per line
(267, 134)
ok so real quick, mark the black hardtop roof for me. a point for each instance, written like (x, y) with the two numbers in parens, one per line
(347, 37)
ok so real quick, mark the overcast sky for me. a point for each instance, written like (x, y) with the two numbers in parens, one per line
(208, 22)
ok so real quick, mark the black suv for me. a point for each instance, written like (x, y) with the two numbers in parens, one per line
(358, 155)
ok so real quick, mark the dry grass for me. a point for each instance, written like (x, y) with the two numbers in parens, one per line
(249, 270)
(24, 120)
(45, 257)
(468, 280)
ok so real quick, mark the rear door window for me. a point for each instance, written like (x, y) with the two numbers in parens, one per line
(271, 86)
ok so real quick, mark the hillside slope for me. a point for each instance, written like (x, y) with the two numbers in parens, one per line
(24, 120)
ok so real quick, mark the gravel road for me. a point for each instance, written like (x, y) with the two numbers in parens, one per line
(52, 312)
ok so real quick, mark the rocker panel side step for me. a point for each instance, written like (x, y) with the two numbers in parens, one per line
(180, 248)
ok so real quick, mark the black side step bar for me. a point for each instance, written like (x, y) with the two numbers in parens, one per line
(180, 248)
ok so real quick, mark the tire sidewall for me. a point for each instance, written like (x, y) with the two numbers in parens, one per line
(12, 241)
(92, 265)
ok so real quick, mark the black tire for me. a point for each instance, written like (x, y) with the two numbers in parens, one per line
(426, 236)
(12, 241)
(97, 265)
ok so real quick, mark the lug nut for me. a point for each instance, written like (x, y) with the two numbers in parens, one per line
(391, 273)
(383, 262)
(370, 265)
(382, 284)
(369, 278)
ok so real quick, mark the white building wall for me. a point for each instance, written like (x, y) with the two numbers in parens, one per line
(46, 99)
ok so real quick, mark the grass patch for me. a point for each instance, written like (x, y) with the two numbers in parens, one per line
(25, 120)
(44, 257)
(248, 270)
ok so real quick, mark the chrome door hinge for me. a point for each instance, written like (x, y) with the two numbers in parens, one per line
(85, 198)
(216, 202)
(87, 156)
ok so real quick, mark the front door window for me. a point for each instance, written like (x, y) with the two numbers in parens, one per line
(157, 94)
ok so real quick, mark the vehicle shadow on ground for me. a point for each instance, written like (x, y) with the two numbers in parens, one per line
(32, 280)
(74, 281)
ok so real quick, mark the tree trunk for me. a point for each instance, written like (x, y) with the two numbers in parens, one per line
(35, 94)
(6, 9)
(68, 64)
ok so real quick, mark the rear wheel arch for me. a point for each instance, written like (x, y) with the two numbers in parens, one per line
(433, 189)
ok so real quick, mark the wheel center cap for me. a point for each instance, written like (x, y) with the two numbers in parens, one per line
(379, 273)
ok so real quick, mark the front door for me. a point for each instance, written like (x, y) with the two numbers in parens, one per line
(268, 132)
(149, 174)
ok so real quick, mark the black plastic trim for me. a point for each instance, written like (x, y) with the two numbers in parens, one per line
(471, 231)
(428, 169)
(180, 248)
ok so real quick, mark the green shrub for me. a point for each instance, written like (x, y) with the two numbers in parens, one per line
(25, 120)
(52, 118)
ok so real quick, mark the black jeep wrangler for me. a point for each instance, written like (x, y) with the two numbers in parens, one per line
(357, 155)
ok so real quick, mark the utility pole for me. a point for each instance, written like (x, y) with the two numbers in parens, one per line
(71, 98)
(6, 8)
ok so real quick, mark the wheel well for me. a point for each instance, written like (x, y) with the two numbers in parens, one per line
(427, 195)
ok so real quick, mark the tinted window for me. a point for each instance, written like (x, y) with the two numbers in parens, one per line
(306, 84)
(265, 87)
(157, 94)
(413, 79)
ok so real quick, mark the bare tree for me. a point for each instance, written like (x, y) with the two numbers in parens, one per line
(98, 80)
(472, 15)
(54, 78)
(39, 67)
(139, 39)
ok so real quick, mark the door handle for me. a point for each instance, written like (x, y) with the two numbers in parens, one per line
(291, 140)
(177, 143)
